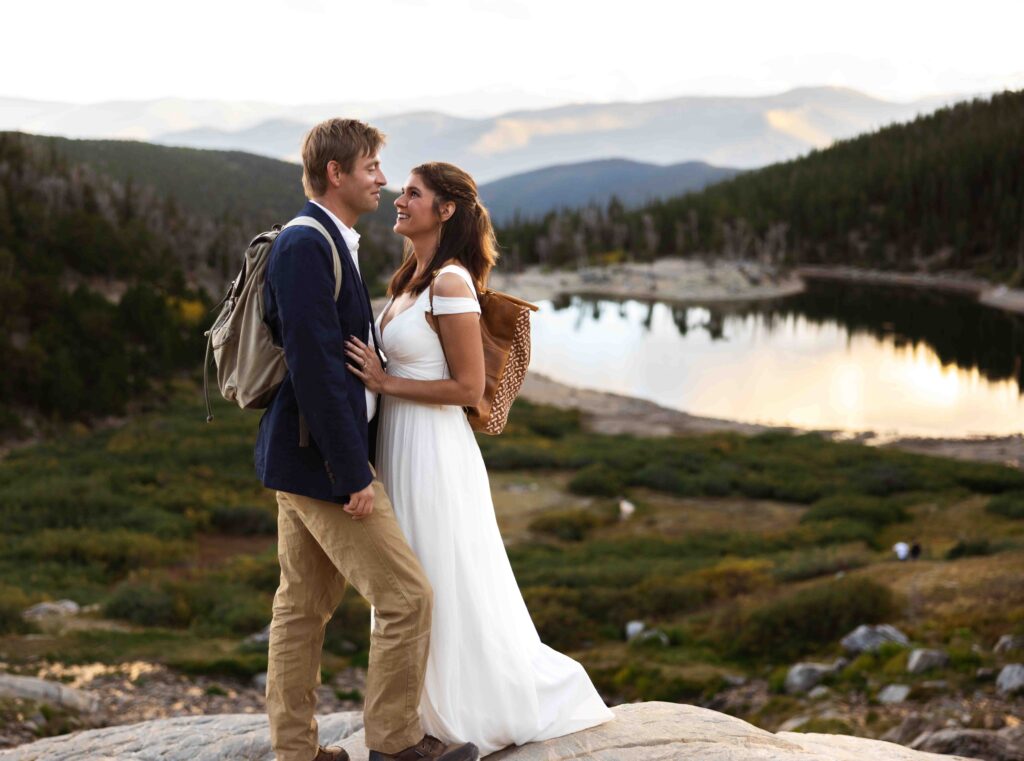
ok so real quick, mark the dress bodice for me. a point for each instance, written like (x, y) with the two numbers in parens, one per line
(410, 344)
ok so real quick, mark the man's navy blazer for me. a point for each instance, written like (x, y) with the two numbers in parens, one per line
(305, 319)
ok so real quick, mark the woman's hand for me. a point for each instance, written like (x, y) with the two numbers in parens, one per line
(365, 365)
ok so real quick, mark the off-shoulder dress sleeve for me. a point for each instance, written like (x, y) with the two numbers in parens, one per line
(456, 304)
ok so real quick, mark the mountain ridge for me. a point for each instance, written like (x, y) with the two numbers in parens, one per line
(533, 194)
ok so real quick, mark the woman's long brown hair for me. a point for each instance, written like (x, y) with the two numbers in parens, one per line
(467, 237)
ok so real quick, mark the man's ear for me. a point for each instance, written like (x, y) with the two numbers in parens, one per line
(334, 173)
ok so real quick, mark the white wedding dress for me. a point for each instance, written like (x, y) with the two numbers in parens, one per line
(490, 680)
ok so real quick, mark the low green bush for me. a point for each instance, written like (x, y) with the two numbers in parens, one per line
(667, 597)
(12, 602)
(989, 478)
(505, 456)
(349, 627)
(244, 520)
(117, 550)
(881, 479)
(597, 480)
(148, 603)
(568, 525)
(557, 616)
(238, 666)
(872, 511)
(819, 561)
(810, 619)
(1008, 505)
(966, 548)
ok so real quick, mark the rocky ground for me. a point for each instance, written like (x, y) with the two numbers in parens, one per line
(639, 732)
(671, 279)
(134, 692)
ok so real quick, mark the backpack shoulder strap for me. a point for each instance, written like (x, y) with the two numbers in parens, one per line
(311, 222)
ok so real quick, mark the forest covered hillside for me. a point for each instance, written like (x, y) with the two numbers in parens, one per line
(945, 191)
(112, 254)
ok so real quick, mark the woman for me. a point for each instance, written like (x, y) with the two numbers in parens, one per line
(489, 678)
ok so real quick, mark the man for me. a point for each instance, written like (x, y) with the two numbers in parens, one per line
(335, 523)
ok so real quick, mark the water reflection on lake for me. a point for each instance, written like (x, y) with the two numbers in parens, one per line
(835, 357)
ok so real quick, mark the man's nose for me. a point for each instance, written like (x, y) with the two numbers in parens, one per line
(381, 179)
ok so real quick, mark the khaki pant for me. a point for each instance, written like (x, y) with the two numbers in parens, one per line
(321, 548)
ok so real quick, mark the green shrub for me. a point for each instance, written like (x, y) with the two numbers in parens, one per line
(989, 478)
(871, 511)
(662, 596)
(635, 681)
(239, 666)
(501, 456)
(1008, 505)
(116, 551)
(349, 626)
(12, 602)
(819, 561)
(666, 478)
(557, 616)
(827, 726)
(881, 479)
(844, 531)
(597, 480)
(966, 548)
(807, 620)
(568, 525)
(610, 607)
(244, 520)
(148, 604)
(732, 576)
(239, 611)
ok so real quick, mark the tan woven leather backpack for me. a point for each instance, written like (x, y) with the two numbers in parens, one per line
(505, 328)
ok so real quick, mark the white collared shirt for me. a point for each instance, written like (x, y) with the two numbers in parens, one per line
(351, 238)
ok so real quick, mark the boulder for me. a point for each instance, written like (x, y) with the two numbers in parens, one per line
(224, 737)
(893, 693)
(45, 691)
(1008, 643)
(978, 743)
(803, 676)
(1011, 679)
(640, 732)
(819, 693)
(922, 660)
(260, 637)
(909, 729)
(867, 638)
(652, 636)
(633, 629)
(56, 609)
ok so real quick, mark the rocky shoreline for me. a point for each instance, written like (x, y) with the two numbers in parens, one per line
(616, 414)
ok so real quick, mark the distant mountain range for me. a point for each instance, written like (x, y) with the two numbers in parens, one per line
(533, 194)
(943, 192)
(742, 132)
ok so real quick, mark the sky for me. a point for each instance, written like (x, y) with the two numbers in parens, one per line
(484, 56)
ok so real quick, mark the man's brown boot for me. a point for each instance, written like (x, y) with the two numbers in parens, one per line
(333, 753)
(431, 748)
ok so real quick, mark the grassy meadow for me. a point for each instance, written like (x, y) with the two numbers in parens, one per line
(748, 553)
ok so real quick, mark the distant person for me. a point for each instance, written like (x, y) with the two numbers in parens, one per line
(490, 679)
(915, 550)
(902, 550)
(335, 523)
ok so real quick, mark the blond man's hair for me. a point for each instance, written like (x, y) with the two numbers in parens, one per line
(341, 140)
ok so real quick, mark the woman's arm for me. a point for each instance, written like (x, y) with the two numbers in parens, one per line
(464, 351)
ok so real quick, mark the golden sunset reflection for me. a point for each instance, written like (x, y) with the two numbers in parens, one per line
(789, 371)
